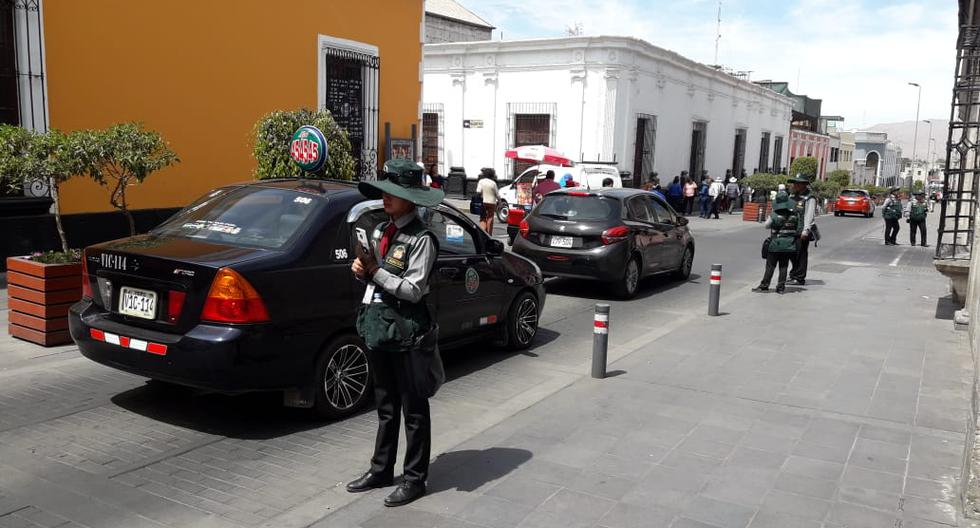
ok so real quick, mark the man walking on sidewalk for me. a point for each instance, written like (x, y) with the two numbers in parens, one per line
(891, 211)
(915, 212)
(715, 192)
(806, 208)
(732, 191)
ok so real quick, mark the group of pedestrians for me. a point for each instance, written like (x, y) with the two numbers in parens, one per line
(914, 212)
(792, 226)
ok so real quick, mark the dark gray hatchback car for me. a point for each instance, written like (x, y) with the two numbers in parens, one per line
(617, 236)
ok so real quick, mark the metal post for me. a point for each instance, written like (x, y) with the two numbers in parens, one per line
(714, 292)
(600, 340)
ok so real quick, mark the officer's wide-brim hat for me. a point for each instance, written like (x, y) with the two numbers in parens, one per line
(782, 202)
(403, 179)
(919, 193)
(799, 178)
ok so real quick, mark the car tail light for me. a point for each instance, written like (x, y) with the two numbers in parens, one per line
(233, 300)
(525, 228)
(614, 234)
(175, 304)
(577, 193)
(86, 280)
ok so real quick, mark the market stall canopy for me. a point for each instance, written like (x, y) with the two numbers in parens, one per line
(539, 154)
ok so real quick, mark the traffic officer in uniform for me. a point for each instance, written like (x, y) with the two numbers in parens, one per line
(806, 209)
(394, 322)
(915, 214)
(891, 211)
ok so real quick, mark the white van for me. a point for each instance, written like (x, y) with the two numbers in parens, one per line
(586, 175)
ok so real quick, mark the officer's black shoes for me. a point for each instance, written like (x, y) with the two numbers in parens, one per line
(760, 288)
(405, 493)
(799, 282)
(925, 245)
(780, 289)
(369, 481)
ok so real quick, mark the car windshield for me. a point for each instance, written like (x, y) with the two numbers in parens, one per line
(852, 194)
(246, 216)
(573, 207)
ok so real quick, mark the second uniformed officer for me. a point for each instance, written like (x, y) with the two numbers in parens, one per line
(915, 213)
(395, 322)
(891, 211)
(806, 209)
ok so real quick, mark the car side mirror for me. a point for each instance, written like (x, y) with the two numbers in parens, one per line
(495, 247)
(682, 221)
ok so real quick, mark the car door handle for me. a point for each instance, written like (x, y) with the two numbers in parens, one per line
(448, 272)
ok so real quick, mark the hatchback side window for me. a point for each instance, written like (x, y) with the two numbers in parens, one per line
(638, 210)
(454, 237)
(664, 216)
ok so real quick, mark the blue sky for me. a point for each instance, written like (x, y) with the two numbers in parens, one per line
(856, 55)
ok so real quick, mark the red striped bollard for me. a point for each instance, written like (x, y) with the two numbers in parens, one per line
(600, 340)
(714, 291)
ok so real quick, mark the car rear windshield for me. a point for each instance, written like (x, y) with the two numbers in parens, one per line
(246, 216)
(852, 194)
(572, 207)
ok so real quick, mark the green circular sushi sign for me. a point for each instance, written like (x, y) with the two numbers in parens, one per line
(308, 148)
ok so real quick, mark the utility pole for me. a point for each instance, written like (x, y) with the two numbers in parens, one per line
(718, 33)
(915, 135)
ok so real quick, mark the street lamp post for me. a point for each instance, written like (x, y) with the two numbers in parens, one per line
(915, 133)
(928, 151)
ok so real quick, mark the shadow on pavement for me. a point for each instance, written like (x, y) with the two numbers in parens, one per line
(261, 415)
(469, 469)
(600, 291)
(945, 308)
(614, 373)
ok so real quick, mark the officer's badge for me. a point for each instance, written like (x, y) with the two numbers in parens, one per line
(396, 257)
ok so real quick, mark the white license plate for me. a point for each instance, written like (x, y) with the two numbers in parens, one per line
(561, 242)
(137, 303)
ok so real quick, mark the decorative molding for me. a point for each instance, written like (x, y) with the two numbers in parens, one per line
(577, 74)
(613, 74)
(691, 89)
(490, 77)
(458, 61)
(491, 60)
(711, 96)
(458, 78)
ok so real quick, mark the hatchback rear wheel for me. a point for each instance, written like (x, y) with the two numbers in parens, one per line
(687, 262)
(626, 286)
(343, 377)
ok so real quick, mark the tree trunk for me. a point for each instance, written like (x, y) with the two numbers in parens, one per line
(53, 186)
(132, 222)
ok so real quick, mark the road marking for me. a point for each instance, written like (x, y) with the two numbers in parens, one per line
(894, 262)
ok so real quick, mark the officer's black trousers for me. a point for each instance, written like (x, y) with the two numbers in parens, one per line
(393, 396)
(800, 261)
(782, 259)
(919, 226)
(891, 230)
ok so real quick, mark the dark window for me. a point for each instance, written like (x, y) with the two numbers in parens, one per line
(645, 142)
(699, 134)
(777, 155)
(430, 139)
(571, 207)
(738, 155)
(530, 129)
(247, 216)
(764, 153)
(663, 214)
(9, 113)
(640, 210)
(455, 238)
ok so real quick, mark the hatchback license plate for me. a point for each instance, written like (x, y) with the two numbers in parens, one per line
(561, 242)
(137, 303)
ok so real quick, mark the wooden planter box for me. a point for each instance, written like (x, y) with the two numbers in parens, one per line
(39, 296)
(750, 213)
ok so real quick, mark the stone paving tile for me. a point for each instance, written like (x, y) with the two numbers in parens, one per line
(33, 517)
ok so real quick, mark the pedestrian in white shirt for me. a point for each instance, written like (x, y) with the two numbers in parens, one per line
(715, 192)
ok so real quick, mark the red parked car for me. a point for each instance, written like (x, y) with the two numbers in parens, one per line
(854, 201)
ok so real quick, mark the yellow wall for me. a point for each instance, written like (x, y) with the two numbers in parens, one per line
(201, 72)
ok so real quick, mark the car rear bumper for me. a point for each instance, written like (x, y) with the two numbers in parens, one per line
(852, 208)
(605, 263)
(214, 357)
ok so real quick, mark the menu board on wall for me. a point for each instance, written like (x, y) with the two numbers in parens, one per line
(344, 102)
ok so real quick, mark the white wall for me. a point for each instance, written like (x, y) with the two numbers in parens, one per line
(597, 86)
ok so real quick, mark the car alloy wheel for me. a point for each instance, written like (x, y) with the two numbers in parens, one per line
(502, 211)
(687, 262)
(522, 321)
(343, 378)
(631, 279)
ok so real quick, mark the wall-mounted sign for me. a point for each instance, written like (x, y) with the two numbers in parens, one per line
(472, 123)
(308, 148)
(402, 149)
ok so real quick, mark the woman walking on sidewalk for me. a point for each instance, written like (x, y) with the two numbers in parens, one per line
(690, 189)
(784, 241)
(487, 189)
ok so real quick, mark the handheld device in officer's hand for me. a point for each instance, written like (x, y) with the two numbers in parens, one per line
(362, 239)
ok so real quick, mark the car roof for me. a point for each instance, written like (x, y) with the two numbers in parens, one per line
(619, 193)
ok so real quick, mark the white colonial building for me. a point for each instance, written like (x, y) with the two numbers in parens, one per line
(596, 98)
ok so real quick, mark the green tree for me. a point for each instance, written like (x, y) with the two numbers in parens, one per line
(273, 133)
(841, 177)
(828, 189)
(121, 156)
(918, 185)
(50, 158)
(763, 181)
(806, 165)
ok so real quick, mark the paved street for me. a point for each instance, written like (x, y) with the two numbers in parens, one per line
(841, 404)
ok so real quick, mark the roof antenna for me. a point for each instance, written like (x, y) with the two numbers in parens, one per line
(718, 33)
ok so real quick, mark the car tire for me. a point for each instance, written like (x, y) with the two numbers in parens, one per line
(627, 286)
(522, 321)
(502, 211)
(343, 378)
(683, 271)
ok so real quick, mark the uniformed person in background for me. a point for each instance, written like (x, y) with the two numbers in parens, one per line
(915, 214)
(784, 241)
(806, 208)
(394, 319)
(891, 211)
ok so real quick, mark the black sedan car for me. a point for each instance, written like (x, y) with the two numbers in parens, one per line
(250, 289)
(617, 236)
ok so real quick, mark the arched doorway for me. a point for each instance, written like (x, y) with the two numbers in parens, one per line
(871, 167)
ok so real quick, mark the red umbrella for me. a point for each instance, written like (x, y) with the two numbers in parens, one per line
(540, 154)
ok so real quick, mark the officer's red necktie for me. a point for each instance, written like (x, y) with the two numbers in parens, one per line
(386, 238)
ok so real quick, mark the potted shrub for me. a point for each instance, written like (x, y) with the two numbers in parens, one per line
(273, 133)
(762, 184)
(42, 286)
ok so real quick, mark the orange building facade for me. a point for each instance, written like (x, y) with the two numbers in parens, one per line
(203, 72)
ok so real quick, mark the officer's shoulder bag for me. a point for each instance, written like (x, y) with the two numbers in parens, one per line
(892, 211)
(917, 212)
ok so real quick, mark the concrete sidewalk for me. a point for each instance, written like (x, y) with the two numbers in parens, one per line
(841, 404)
